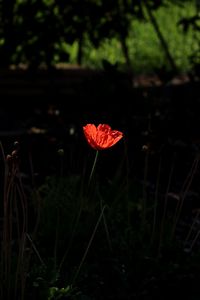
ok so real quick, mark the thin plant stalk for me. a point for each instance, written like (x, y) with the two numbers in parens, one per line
(89, 244)
(56, 237)
(106, 226)
(192, 227)
(146, 169)
(194, 240)
(165, 209)
(184, 192)
(35, 249)
(72, 236)
(77, 219)
(144, 198)
(7, 228)
(93, 167)
(36, 194)
(156, 202)
(22, 237)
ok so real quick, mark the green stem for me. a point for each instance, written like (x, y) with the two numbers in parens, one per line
(93, 167)
(79, 214)
(89, 244)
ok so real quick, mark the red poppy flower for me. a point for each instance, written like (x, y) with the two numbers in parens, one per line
(102, 136)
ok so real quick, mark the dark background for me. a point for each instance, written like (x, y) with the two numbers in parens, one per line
(44, 109)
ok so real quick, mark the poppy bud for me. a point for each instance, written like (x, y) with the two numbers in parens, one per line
(61, 152)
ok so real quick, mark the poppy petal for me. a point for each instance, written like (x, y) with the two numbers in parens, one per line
(102, 136)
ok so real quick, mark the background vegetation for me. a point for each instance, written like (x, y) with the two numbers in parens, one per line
(139, 35)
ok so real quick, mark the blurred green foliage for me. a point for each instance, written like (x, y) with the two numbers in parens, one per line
(48, 32)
